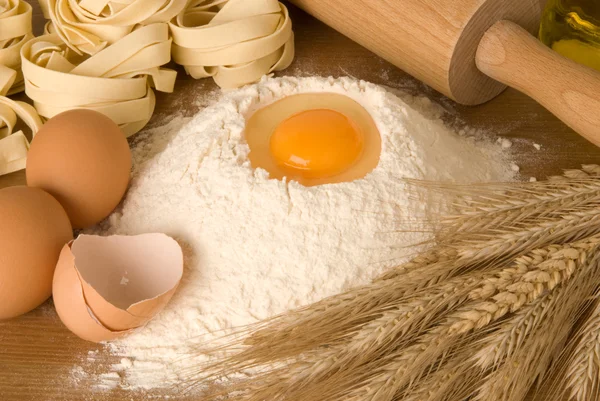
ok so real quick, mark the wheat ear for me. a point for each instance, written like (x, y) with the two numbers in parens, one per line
(397, 327)
(508, 336)
(512, 379)
(583, 199)
(454, 379)
(284, 349)
(499, 207)
(529, 361)
(437, 265)
(492, 296)
(505, 292)
(403, 317)
(498, 247)
(583, 368)
(398, 319)
(331, 318)
(491, 200)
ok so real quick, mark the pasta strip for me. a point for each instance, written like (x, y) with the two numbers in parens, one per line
(15, 31)
(89, 26)
(116, 81)
(14, 144)
(236, 42)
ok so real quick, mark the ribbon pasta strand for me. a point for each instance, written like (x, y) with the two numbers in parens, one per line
(89, 26)
(234, 41)
(116, 81)
(15, 30)
(14, 144)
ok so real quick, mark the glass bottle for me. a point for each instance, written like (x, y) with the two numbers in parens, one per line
(572, 28)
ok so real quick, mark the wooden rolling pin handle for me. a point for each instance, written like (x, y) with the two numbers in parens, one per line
(509, 54)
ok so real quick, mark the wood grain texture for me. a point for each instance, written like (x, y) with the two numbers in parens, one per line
(433, 40)
(569, 90)
(38, 354)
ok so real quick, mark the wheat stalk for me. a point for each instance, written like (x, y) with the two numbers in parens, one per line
(434, 256)
(396, 327)
(404, 318)
(518, 367)
(492, 296)
(583, 368)
(341, 315)
(583, 199)
(514, 376)
(485, 200)
(484, 207)
(548, 270)
(413, 314)
(509, 336)
(530, 276)
(499, 246)
(509, 206)
(467, 318)
(453, 380)
(576, 257)
(507, 291)
(496, 248)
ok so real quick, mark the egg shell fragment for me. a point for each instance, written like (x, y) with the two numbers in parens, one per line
(70, 303)
(118, 283)
(127, 280)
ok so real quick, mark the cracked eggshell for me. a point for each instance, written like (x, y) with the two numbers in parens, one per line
(70, 303)
(125, 280)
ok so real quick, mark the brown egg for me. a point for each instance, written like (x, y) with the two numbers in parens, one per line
(81, 157)
(33, 230)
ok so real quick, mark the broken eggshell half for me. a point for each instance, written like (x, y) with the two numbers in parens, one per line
(104, 287)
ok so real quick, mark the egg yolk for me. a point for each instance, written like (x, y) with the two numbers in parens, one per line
(316, 143)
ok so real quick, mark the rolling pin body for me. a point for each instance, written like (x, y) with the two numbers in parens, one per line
(470, 50)
(433, 40)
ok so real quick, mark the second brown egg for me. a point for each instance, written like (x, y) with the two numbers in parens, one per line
(82, 158)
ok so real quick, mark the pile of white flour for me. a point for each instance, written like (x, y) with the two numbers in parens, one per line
(256, 247)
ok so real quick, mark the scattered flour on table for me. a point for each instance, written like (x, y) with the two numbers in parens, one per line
(505, 143)
(256, 247)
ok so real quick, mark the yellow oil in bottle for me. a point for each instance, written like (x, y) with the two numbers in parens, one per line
(572, 28)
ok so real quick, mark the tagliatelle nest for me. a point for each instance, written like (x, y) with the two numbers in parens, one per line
(15, 31)
(115, 81)
(236, 42)
(88, 26)
(14, 144)
(108, 56)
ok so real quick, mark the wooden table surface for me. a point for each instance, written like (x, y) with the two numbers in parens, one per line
(38, 354)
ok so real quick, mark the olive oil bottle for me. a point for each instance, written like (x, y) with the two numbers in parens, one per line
(572, 28)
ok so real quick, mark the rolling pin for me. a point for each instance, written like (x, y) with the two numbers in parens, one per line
(470, 50)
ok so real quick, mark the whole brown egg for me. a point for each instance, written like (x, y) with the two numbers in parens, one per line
(33, 230)
(81, 157)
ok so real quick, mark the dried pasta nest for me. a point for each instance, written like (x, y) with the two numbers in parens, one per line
(14, 144)
(236, 42)
(15, 23)
(117, 81)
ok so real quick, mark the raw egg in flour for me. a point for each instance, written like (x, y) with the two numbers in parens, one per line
(314, 138)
